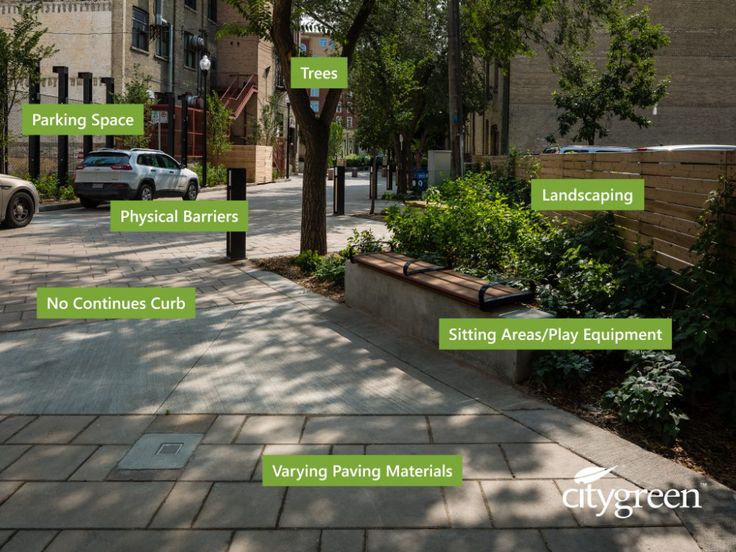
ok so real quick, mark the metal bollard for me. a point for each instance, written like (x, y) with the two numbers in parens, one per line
(236, 191)
(338, 192)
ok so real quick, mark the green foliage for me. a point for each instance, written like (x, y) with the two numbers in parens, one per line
(216, 174)
(706, 324)
(308, 261)
(335, 145)
(67, 193)
(589, 99)
(268, 129)
(651, 392)
(218, 126)
(331, 269)
(47, 186)
(136, 91)
(355, 160)
(561, 367)
(362, 242)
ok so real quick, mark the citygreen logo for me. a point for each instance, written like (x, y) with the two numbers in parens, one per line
(81, 119)
(372, 470)
(587, 194)
(80, 303)
(319, 72)
(488, 334)
(179, 216)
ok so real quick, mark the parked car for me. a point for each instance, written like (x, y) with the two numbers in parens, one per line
(19, 201)
(137, 173)
(689, 147)
(587, 149)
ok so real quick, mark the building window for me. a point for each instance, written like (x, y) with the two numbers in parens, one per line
(314, 105)
(162, 43)
(338, 120)
(339, 107)
(323, 43)
(349, 122)
(140, 29)
(191, 4)
(190, 52)
(212, 10)
(314, 92)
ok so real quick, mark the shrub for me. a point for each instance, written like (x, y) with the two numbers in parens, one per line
(331, 269)
(308, 261)
(558, 367)
(47, 186)
(67, 192)
(651, 392)
(362, 242)
(216, 174)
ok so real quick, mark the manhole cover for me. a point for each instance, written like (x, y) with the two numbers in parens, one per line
(169, 448)
(160, 451)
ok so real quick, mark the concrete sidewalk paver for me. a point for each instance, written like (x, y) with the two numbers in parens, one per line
(83, 505)
(518, 504)
(271, 429)
(13, 424)
(182, 505)
(114, 430)
(366, 429)
(466, 506)
(98, 466)
(141, 541)
(241, 505)
(222, 463)
(543, 461)
(224, 430)
(48, 462)
(480, 429)
(52, 430)
(342, 540)
(29, 541)
(455, 541)
(10, 453)
(643, 539)
(277, 541)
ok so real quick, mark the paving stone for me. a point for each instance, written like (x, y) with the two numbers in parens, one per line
(366, 429)
(289, 449)
(543, 460)
(276, 541)
(630, 539)
(455, 541)
(241, 505)
(10, 453)
(224, 430)
(29, 541)
(13, 424)
(494, 428)
(48, 463)
(336, 507)
(5, 536)
(222, 463)
(521, 504)
(83, 505)
(342, 540)
(181, 423)
(466, 506)
(182, 505)
(114, 430)
(479, 461)
(144, 475)
(52, 430)
(7, 488)
(141, 541)
(271, 429)
(100, 464)
(348, 449)
(612, 487)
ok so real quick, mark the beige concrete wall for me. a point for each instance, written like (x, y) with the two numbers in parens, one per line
(256, 160)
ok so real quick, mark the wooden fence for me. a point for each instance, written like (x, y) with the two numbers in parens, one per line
(677, 185)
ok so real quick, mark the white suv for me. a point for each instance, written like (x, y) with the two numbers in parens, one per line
(145, 174)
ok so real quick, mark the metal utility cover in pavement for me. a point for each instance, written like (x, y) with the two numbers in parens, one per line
(160, 451)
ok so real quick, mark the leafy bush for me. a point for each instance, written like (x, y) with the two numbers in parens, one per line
(355, 160)
(331, 269)
(47, 186)
(558, 367)
(651, 392)
(216, 174)
(67, 193)
(362, 242)
(308, 261)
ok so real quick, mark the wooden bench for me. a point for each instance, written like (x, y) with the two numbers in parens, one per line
(413, 295)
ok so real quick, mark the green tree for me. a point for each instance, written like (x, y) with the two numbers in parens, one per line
(272, 121)
(589, 99)
(21, 50)
(334, 148)
(218, 126)
(137, 90)
(277, 21)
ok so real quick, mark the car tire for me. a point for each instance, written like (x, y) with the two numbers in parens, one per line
(88, 203)
(20, 211)
(146, 192)
(192, 191)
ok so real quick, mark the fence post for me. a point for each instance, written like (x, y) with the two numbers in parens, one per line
(338, 191)
(62, 142)
(109, 83)
(34, 142)
(236, 191)
(86, 98)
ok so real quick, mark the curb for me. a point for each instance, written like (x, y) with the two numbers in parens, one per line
(58, 206)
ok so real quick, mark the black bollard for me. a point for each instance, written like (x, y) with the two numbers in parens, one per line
(236, 191)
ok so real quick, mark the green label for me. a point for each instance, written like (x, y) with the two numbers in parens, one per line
(379, 470)
(319, 72)
(179, 216)
(491, 334)
(587, 194)
(80, 119)
(116, 303)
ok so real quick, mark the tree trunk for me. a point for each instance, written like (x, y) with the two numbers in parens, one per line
(314, 196)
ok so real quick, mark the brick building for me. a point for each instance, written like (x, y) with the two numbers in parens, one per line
(699, 108)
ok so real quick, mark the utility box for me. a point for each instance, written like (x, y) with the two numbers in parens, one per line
(438, 166)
